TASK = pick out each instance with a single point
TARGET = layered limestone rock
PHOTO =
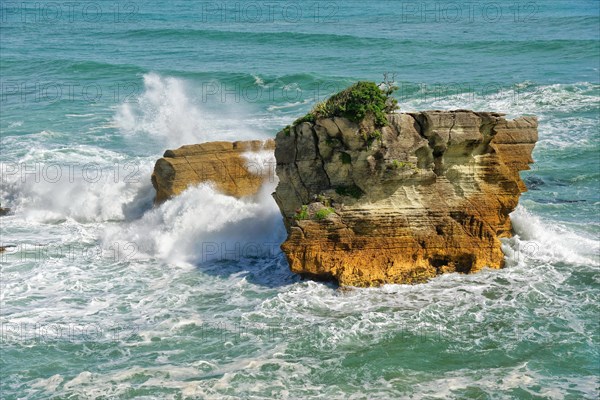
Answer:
(427, 194)
(222, 163)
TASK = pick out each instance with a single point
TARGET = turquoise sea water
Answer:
(103, 296)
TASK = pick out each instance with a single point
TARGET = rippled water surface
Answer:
(104, 296)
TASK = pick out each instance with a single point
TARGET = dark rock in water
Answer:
(4, 211)
(558, 201)
(534, 182)
(3, 248)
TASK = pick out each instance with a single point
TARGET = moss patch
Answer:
(301, 213)
(324, 212)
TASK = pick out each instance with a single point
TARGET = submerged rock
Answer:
(534, 182)
(221, 163)
(427, 194)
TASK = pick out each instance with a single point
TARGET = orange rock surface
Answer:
(221, 163)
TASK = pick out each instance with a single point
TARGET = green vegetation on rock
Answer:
(364, 99)
(403, 164)
(359, 101)
(324, 212)
(371, 137)
(310, 117)
(324, 199)
(302, 213)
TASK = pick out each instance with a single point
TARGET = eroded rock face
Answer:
(427, 194)
(222, 163)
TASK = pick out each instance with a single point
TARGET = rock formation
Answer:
(222, 163)
(369, 196)
(3, 212)
(427, 194)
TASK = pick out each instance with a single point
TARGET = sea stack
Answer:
(220, 163)
(367, 202)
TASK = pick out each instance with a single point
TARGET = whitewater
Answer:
(104, 295)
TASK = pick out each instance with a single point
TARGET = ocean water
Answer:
(105, 297)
